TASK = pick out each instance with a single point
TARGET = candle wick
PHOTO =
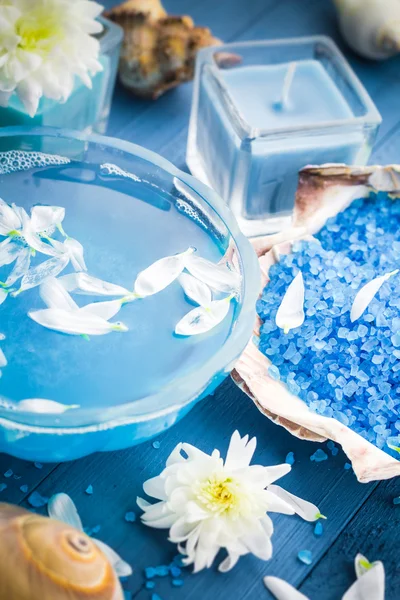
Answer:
(287, 84)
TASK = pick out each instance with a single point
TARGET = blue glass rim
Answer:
(189, 387)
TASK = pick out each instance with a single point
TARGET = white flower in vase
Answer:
(44, 44)
(208, 504)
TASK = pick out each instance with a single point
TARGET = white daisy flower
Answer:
(208, 503)
(44, 44)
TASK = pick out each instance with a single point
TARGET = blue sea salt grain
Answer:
(177, 582)
(179, 560)
(89, 490)
(330, 444)
(347, 466)
(396, 500)
(36, 500)
(156, 445)
(24, 488)
(335, 451)
(38, 465)
(150, 585)
(175, 571)
(149, 572)
(289, 458)
(130, 517)
(273, 372)
(9, 473)
(162, 571)
(3, 486)
(155, 597)
(318, 529)
(319, 455)
(305, 556)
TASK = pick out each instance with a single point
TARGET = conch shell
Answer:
(371, 27)
(44, 559)
(323, 192)
(159, 51)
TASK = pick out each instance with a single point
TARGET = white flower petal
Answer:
(216, 276)
(276, 504)
(370, 586)
(54, 295)
(203, 319)
(258, 542)
(9, 251)
(31, 237)
(106, 310)
(121, 567)
(74, 323)
(48, 268)
(3, 295)
(21, 267)
(240, 451)
(45, 218)
(195, 289)
(228, 563)
(367, 293)
(282, 590)
(40, 405)
(306, 510)
(291, 310)
(82, 283)
(9, 220)
(160, 274)
(142, 504)
(62, 508)
(154, 487)
(3, 359)
(75, 251)
(361, 565)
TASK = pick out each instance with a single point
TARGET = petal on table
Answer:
(291, 310)
(82, 283)
(74, 323)
(306, 510)
(366, 294)
(282, 590)
(106, 310)
(45, 218)
(121, 567)
(195, 290)
(160, 274)
(48, 268)
(370, 586)
(62, 508)
(75, 251)
(203, 319)
(21, 267)
(54, 295)
(41, 405)
(9, 219)
(216, 276)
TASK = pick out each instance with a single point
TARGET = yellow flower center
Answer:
(219, 496)
(40, 31)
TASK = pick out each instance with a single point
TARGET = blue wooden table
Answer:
(361, 518)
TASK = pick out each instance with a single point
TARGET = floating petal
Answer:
(44, 219)
(366, 294)
(54, 295)
(195, 289)
(3, 360)
(282, 590)
(160, 274)
(3, 295)
(9, 251)
(40, 405)
(48, 268)
(291, 310)
(306, 510)
(75, 322)
(82, 283)
(203, 319)
(21, 267)
(216, 276)
(105, 310)
(62, 508)
(75, 251)
(31, 237)
(9, 219)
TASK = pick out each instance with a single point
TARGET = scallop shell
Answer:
(159, 51)
(41, 558)
(323, 192)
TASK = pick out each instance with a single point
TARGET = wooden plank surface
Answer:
(360, 517)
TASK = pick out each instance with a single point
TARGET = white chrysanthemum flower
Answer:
(44, 44)
(209, 504)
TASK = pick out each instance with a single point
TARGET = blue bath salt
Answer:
(156, 445)
(396, 500)
(175, 571)
(124, 225)
(318, 529)
(319, 455)
(150, 585)
(162, 571)
(305, 556)
(130, 517)
(9, 473)
(177, 582)
(355, 376)
(150, 572)
(38, 465)
(289, 458)
(24, 488)
(89, 490)
(3, 486)
(36, 500)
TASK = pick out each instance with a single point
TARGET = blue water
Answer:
(123, 226)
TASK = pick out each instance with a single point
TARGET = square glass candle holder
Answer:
(263, 110)
(86, 109)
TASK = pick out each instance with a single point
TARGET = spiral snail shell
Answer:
(45, 559)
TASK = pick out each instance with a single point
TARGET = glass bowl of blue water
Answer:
(127, 208)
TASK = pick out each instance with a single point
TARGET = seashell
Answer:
(323, 192)
(159, 51)
(371, 28)
(44, 558)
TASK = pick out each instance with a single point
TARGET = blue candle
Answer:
(255, 125)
